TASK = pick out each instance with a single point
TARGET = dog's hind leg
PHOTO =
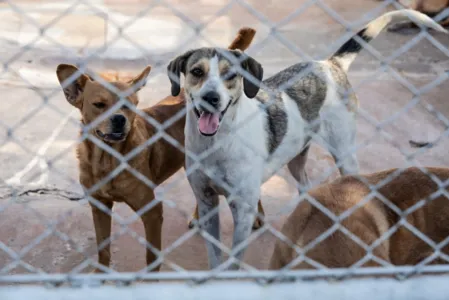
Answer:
(338, 133)
(102, 224)
(297, 168)
(347, 162)
(259, 221)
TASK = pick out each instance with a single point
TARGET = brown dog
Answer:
(124, 131)
(429, 7)
(369, 222)
(116, 76)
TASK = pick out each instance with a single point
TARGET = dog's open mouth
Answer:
(113, 137)
(208, 122)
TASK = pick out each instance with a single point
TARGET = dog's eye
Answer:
(197, 72)
(229, 76)
(125, 107)
(99, 105)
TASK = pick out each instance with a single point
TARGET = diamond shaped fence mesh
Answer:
(188, 147)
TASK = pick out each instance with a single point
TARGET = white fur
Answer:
(241, 162)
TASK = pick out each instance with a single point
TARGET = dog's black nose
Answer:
(118, 121)
(212, 98)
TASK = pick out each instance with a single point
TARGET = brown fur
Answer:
(428, 7)
(156, 162)
(368, 222)
(431, 8)
(116, 76)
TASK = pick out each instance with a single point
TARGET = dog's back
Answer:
(420, 199)
(369, 221)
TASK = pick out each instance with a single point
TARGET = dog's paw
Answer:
(192, 223)
(96, 271)
(258, 223)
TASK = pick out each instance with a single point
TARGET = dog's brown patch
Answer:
(232, 84)
(197, 82)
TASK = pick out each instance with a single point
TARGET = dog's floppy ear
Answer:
(254, 68)
(71, 84)
(174, 69)
(140, 80)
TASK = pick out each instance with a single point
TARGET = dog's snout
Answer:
(118, 121)
(212, 98)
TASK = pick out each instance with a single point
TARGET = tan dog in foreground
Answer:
(370, 221)
(124, 131)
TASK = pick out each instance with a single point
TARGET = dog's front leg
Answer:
(244, 210)
(102, 224)
(207, 201)
(297, 168)
(152, 220)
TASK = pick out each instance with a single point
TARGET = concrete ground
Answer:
(35, 117)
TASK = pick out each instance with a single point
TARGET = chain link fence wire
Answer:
(109, 171)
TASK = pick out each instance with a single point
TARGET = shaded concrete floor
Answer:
(382, 97)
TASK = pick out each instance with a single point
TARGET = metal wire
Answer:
(16, 257)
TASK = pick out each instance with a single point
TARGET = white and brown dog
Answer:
(238, 135)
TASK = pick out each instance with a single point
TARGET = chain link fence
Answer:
(383, 235)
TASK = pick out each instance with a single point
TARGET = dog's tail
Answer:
(243, 39)
(348, 52)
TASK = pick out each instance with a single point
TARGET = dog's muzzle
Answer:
(209, 122)
(118, 134)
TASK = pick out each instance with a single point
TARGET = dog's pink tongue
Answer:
(208, 123)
